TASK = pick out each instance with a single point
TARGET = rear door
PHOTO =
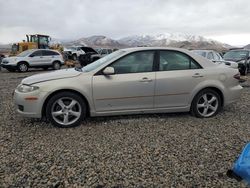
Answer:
(47, 57)
(177, 77)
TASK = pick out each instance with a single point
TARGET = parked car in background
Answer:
(90, 56)
(35, 58)
(1, 57)
(130, 81)
(215, 57)
(240, 56)
(209, 54)
(104, 51)
(74, 53)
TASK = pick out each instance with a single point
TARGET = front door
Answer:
(130, 88)
(37, 59)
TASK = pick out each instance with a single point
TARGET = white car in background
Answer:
(130, 81)
(215, 57)
(36, 58)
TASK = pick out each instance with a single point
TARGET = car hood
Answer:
(11, 58)
(54, 75)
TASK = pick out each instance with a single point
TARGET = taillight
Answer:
(237, 76)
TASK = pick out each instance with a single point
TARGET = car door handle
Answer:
(197, 75)
(145, 79)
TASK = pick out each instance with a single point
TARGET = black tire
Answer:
(243, 71)
(213, 108)
(22, 67)
(53, 106)
(56, 65)
(74, 57)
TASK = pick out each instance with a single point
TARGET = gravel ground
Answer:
(164, 150)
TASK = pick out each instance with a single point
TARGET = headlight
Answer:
(242, 61)
(26, 88)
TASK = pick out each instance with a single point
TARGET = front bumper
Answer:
(27, 107)
(7, 66)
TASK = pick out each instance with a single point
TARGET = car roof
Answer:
(243, 49)
(198, 58)
(204, 50)
(45, 50)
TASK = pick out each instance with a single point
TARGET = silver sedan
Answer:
(130, 81)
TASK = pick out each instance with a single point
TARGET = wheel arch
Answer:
(216, 89)
(64, 90)
(26, 62)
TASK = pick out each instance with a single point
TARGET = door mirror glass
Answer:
(109, 71)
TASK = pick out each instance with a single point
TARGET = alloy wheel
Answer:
(207, 104)
(66, 111)
(23, 67)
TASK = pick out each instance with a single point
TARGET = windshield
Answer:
(24, 53)
(102, 61)
(202, 53)
(239, 54)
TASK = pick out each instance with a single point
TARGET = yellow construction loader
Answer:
(36, 41)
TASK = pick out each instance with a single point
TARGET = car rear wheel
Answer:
(22, 67)
(56, 65)
(66, 110)
(206, 103)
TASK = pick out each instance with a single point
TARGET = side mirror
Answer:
(31, 55)
(109, 71)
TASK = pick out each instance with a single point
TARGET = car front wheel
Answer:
(22, 67)
(206, 103)
(66, 109)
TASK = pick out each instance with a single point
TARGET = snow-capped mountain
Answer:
(160, 39)
(166, 39)
(97, 41)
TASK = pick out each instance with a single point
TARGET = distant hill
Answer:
(97, 41)
(247, 46)
(5, 48)
(160, 40)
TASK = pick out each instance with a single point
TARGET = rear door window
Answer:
(49, 53)
(173, 60)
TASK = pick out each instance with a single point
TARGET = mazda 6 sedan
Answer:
(130, 81)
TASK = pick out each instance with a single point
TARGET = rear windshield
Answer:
(201, 53)
(239, 54)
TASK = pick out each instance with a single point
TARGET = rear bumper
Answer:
(233, 94)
